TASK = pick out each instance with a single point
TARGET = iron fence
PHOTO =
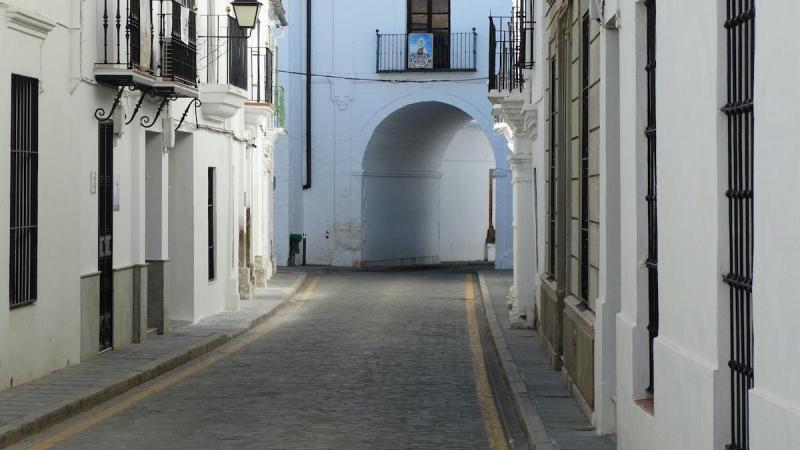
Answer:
(452, 52)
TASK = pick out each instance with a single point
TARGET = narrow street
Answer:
(362, 360)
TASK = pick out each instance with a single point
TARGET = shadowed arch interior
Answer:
(402, 175)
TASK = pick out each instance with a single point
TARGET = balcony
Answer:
(223, 66)
(149, 45)
(261, 99)
(453, 52)
(506, 72)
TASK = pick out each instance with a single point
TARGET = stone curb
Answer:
(535, 431)
(27, 426)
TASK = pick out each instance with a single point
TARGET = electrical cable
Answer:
(385, 80)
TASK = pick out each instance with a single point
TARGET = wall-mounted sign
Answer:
(420, 51)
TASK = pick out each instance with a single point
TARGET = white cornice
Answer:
(28, 22)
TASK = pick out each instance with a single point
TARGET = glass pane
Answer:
(441, 21)
(419, 22)
(419, 6)
(441, 6)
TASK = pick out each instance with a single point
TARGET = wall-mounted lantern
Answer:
(246, 13)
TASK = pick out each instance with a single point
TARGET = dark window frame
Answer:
(24, 192)
(429, 29)
(212, 224)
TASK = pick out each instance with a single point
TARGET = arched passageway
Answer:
(402, 196)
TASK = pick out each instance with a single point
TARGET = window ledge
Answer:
(647, 405)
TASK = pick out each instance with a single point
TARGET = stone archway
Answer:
(401, 180)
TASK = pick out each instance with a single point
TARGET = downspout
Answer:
(307, 184)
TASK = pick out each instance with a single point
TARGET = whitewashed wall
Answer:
(464, 196)
(346, 113)
(43, 337)
(775, 401)
(61, 49)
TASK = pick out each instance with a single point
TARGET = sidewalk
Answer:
(550, 415)
(32, 407)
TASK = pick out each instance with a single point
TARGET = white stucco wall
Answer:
(346, 113)
(775, 401)
(464, 196)
(43, 337)
(162, 196)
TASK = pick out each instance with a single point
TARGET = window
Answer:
(432, 16)
(429, 16)
(553, 164)
(650, 198)
(212, 213)
(24, 178)
(740, 26)
(584, 158)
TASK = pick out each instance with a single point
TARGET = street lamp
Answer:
(246, 12)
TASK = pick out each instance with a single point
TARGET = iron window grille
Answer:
(553, 165)
(740, 27)
(652, 205)
(212, 235)
(505, 70)
(584, 252)
(24, 181)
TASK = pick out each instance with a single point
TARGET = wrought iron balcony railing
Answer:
(223, 51)
(262, 75)
(145, 40)
(506, 68)
(448, 52)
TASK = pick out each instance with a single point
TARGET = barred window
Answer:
(553, 165)
(650, 198)
(740, 27)
(584, 159)
(212, 213)
(24, 178)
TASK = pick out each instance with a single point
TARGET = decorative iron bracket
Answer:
(147, 122)
(197, 103)
(138, 105)
(100, 112)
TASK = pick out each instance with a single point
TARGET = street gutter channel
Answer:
(501, 391)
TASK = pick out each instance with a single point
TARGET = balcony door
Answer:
(432, 16)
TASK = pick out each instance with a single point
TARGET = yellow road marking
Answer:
(491, 419)
(173, 378)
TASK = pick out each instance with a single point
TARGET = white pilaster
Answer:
(523, 293)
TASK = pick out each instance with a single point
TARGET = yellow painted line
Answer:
(173, 378)
(491, 419)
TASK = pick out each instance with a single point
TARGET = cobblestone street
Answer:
(364, 360)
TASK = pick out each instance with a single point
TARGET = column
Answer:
(522, 296)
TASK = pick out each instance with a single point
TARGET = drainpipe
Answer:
(307, 184)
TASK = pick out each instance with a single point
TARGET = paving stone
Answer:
(566, 425)
(373, 361)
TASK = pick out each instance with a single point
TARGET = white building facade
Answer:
(685, 341)
(140, 172)
(371, 157)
